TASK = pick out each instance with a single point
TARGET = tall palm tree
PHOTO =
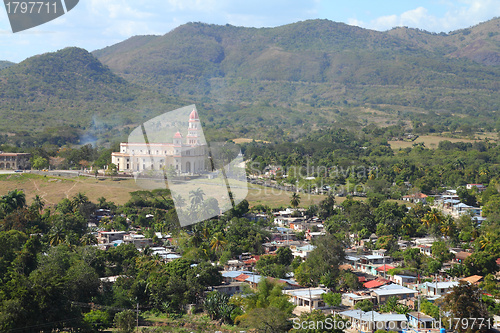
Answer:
(218, 242)
(196, 197)
(448, 226)
(295, 200)
(38, 203)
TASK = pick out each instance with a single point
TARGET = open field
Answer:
(54, 189)
(430, 141)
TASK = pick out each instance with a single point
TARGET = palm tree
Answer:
(295, 201)
(38, 203)
(434, 217)
(448, 226)
(88, 239)
(56, 236)
(179, 201)
(13, 200)
(79, 199)
(196, 197)
(218, 242)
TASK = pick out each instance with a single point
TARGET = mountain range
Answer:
(299, 76)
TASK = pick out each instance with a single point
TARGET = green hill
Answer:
(5, 64)
(267, 83)
(316, 72)
(49, 92)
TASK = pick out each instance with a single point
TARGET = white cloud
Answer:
(460, 14)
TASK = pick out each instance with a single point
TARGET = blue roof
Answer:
(393, 289)
(373, 316)
(231, 274)
(308, 247)
(255, 278)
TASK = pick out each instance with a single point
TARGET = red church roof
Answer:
(178, 135)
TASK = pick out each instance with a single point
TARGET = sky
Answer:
(94, 24)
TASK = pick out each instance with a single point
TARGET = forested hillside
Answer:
(269, 83)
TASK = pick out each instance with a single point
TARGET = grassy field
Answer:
(54, 189)
(430, 141)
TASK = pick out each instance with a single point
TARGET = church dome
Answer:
(178, 135)
(194, 115)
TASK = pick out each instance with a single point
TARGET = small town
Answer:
(192, 166)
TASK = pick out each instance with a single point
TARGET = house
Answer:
(461, 256)
(313, 235)
(438, 288)
(229, 289)
(375, 283)
(421, 320)
(306, 299)
(140, 241)
(479, 187)
(382, 270)
(403, 245)
(106, 237)
(230, 276)
(302, 251)
(234, 265)
(404, 279)
(416, 198)
(351, 299)
(473, 279)
(425, 249)
(385, 292)
(14, 161)
(371, 321)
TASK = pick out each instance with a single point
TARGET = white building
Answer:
(439, 288)
(184, 156)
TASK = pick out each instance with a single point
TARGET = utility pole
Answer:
(137, 317)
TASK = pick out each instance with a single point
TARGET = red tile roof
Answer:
(373, 284)
(242, 277)
(384, 268)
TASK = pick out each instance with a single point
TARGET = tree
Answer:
(480, 263)
(441, 252)
(218, 307)
(39, 163)
(322, 264)
(332, 299)
(112, 170)
(125, 321)
(268, 320)
(218, 242)
(295, 200)
(97, 320)
(327, 207)
(465, 301)
(365, 305)
(196, 197)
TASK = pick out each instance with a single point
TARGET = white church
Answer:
(187, 156)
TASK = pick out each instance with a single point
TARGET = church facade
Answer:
(184, 155)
